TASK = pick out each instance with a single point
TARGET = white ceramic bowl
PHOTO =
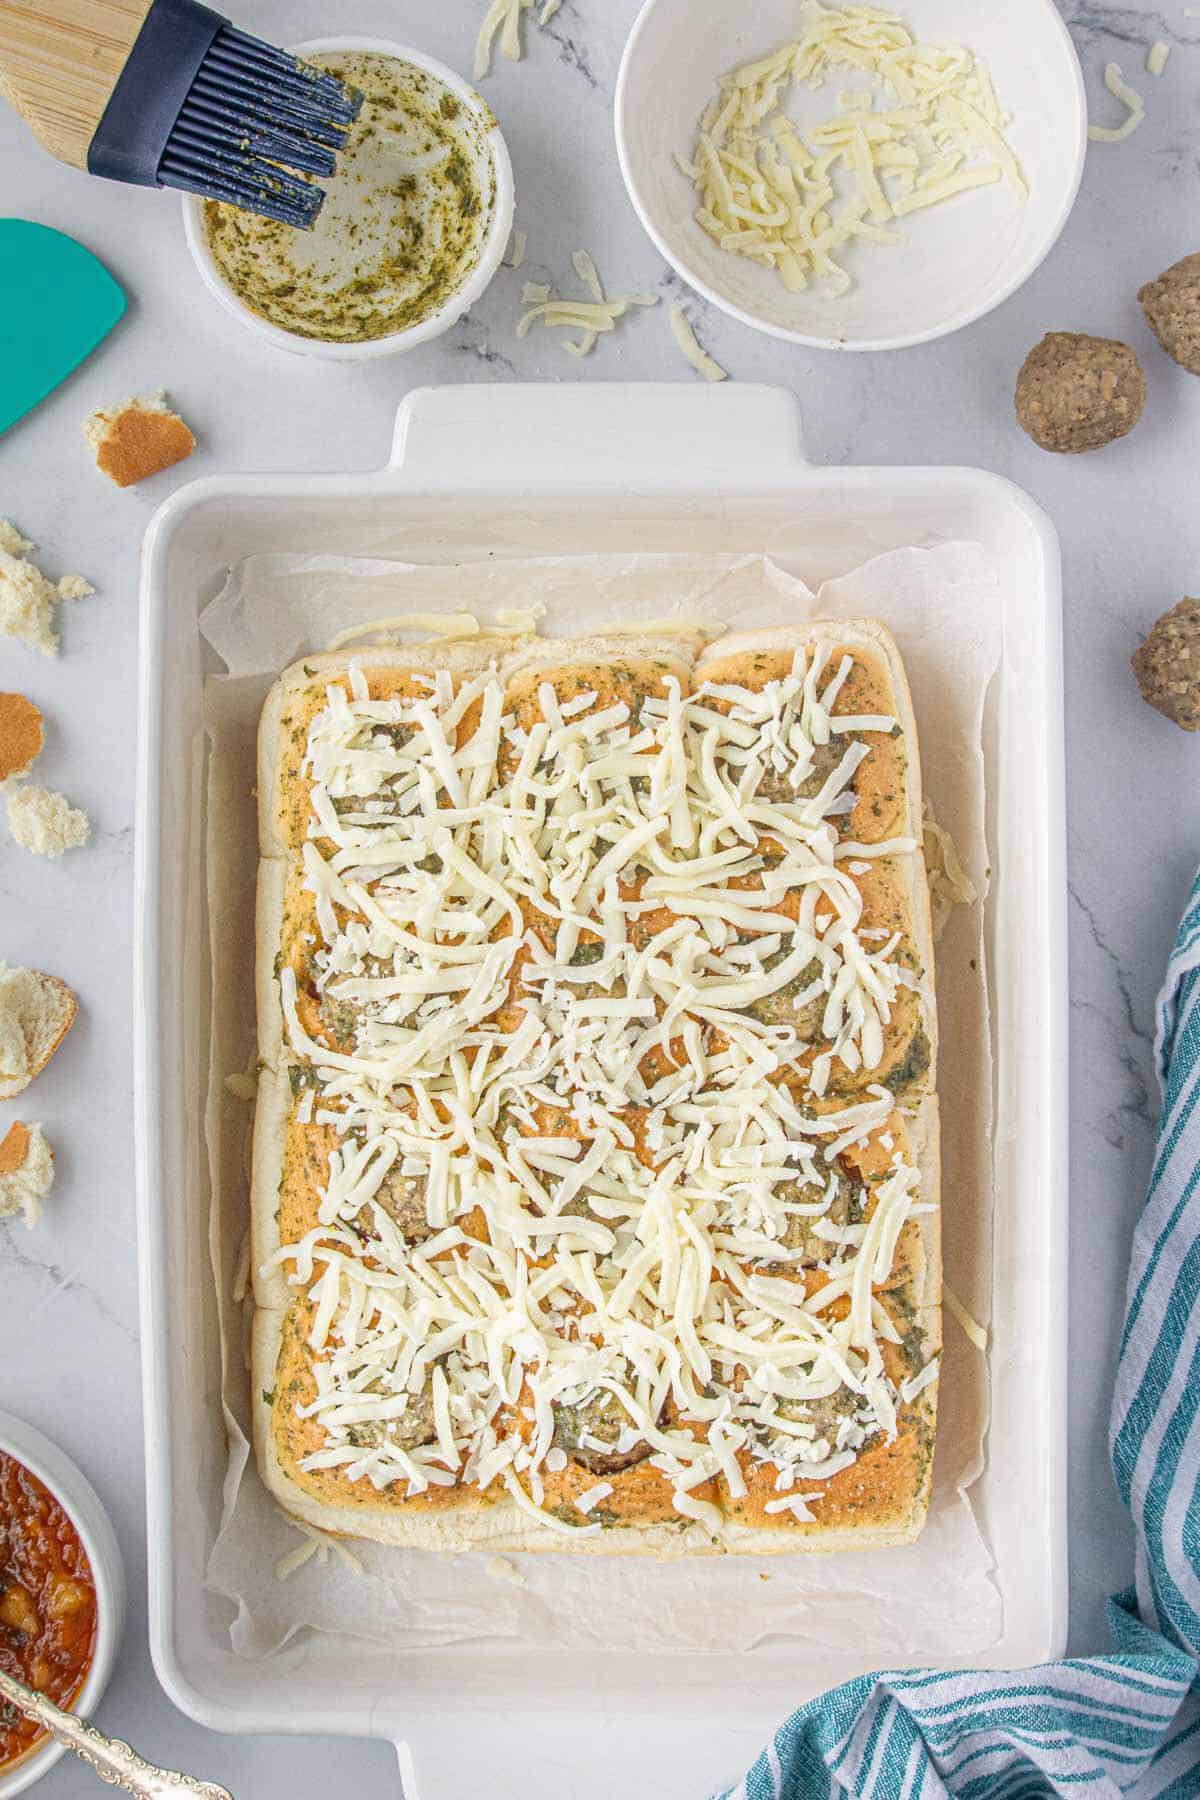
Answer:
(82, 1505)
(961, 259)
(491, 253)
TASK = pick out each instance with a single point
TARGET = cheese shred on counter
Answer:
(590, 318)
(928, 127)
(1129, 97)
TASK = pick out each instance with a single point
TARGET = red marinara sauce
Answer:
(47, 1602)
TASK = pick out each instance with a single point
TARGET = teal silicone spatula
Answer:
(57, 302)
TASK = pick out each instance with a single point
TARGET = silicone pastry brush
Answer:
(166, 93)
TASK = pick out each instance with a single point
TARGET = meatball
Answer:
(1172, 308)
(413, 1428)
(776, 786)
(402, 1198)
(783, 1006)
(824, 1415)
(339, 1023)
(1168, 665)
(846, 1208)
(601, 1417)
(1078, 393)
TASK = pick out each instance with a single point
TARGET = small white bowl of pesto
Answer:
(414, 225)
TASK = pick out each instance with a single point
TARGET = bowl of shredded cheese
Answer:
(851, 176)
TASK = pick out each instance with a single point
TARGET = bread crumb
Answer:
(43, 821)
(500, 1569)
(242, 1087)
(14, 1053)
(36, 1012)
(22, 735)
(27, 596)
(138, 438)
(26, 1172)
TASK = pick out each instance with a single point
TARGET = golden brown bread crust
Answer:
(882, 1497)
(625, 679)
(295, 1437)
(880, 809)
(885, 1491)
(139, 442)
(300, 694)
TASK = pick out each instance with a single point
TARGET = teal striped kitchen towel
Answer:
(1123, 1724)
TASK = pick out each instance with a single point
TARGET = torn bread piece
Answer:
(36, 1012)
(26, 1172)
(138, 438)
(22, 734)
(43, 821)
(28, 598)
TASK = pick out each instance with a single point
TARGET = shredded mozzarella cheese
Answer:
(949, 883)
(501, 20)
(1120, 89)
(971, 1327)
(590, 318)
(567, 950)
(793, 201)
(685, 337)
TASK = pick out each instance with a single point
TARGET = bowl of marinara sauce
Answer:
(62, 1594)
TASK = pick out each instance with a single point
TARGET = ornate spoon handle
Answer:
(113, 1761)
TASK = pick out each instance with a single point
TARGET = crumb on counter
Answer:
(138, 438)
(28, 598)
(36, 1012)
(22, 734)
(26, 1172)
(43, 821)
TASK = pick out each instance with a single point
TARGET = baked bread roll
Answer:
(596, 1153)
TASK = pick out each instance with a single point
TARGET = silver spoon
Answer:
(113, 1761)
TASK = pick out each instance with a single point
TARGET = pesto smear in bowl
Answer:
(404, 221)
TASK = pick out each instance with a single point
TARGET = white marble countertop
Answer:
(1130, 528)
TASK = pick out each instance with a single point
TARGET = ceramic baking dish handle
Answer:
(558, 437)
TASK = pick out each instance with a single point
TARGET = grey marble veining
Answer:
(1130, 527)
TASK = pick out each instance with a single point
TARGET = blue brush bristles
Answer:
(202, 106)
(253, 114)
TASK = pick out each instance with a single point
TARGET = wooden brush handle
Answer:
(59, 63)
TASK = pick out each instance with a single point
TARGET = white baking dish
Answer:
(518, 471)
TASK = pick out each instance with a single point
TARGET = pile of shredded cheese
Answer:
(555, 936)
(928, 127)
(588, 317)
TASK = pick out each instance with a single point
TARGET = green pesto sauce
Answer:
(402, 227)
